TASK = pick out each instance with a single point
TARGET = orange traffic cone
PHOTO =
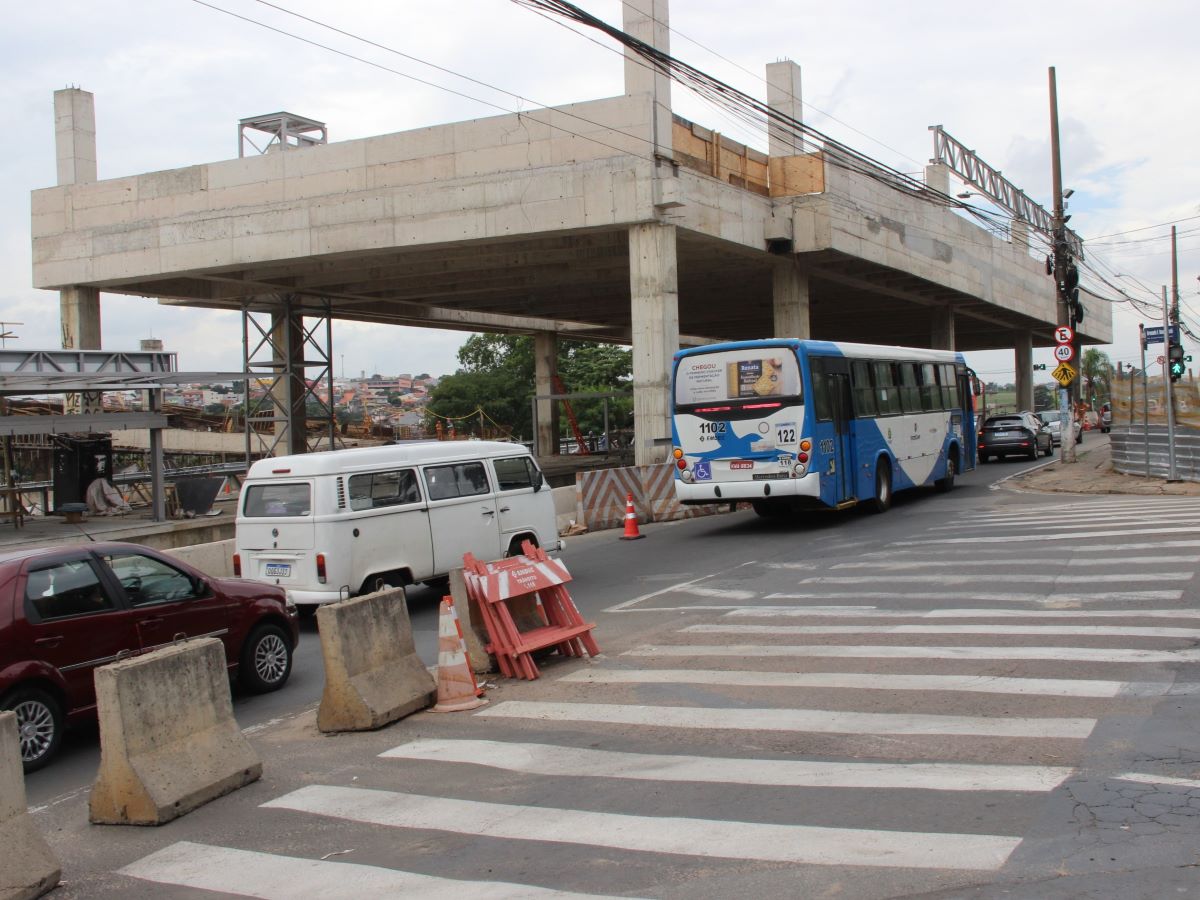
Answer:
(457, 689)
(631, 525)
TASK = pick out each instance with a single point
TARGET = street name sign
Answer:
(1154, 334)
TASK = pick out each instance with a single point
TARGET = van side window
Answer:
(372, 490)
(458, 480)
(269, 500)
(515, 473)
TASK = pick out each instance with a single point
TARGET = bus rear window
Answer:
(277, 500)
(738, 376)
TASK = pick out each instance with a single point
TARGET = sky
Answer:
(171, 79)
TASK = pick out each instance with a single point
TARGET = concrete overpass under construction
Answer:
(609, 220)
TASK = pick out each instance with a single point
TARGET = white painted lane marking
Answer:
(904, 565)
(658, 834)
(1008, 578)
(978, 684)
(861, 612)
(1082, 520)
(834, 651)
(251, 874)
(1165, 780)
(959, 596)
(718, 593)
(621, 607)
(1048, 630)
(1029, 538)
(552, 759)
(812, 721)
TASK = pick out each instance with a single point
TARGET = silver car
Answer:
(1053, 419)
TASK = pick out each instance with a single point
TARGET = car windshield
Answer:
(1050, 418)
(1004, 422)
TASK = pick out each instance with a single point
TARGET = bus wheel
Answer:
(944, 484)
(883, 488)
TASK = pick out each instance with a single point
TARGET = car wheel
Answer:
(946, 483)
(39, 725)
(882, 501)
(266, 659)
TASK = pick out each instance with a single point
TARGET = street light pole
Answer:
(1062, 262)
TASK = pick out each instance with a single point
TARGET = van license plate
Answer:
(279, 570)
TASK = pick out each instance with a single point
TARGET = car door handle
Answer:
(505, 509)
(52, 641)
(489, 512)
(151, 621)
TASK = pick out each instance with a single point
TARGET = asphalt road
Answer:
(981, 693)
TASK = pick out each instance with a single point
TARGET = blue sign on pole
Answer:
(1154, 334)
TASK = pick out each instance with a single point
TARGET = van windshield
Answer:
(277, 500)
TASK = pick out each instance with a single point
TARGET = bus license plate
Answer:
(279, 570)
(742, 464)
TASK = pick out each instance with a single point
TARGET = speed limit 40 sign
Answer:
(1064, 335)
(1064, 352)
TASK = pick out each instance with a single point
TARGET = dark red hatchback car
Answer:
(66, 610)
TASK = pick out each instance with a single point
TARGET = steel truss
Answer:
(279, 349)
(964, 163)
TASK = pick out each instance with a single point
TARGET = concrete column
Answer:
(937, 177)
(942, 333)
(654, 309)
(291, 417)
(783, 96)
(79, 316)
(75, 135)
(791, 299)
(1023, 357)
(545, 367)
(648, 20)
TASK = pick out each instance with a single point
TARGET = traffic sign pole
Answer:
(1172, 475)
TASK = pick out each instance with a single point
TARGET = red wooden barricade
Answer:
(532, 574)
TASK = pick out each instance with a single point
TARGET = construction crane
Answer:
(579, 440)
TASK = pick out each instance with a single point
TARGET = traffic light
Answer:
(1175, 361)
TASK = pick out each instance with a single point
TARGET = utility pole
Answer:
(1066, 277)
(1169, 396)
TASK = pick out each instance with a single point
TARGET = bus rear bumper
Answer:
(732, 491)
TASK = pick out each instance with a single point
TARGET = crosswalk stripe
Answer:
(1028, 538)
(897, 565)
(556, 760)
(1009, 578)
(959, 596)
(709, 838)
(1080, 519)
(1165, 780)
(833, 651)
(978, 684)
(253, 874)
(863, 612)
(1049, 630)
(813, 721)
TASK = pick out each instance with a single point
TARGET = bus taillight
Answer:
(806, 445)
(681, 463)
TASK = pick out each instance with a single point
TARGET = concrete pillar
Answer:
(1023, 357)
(941, 335)
(937, 177)
(783, 96)
(791, 300)
(648, 20)
(287, 352)
(79, 316)
(545, 367)
(75, 135)
(654, 309)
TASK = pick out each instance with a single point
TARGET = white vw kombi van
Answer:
(329, 525)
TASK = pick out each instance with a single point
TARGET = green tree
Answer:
(1097, 371)
(496, 373)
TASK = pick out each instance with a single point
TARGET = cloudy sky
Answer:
(172, 78)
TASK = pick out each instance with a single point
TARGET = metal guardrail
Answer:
(1132, 454)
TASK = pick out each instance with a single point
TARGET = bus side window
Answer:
(820, 384)
(931, 395)
(864, 395)
(910, 391)
(885, 389)
(949, 386)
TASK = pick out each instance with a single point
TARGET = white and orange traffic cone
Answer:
(457, 690)
(631, 523)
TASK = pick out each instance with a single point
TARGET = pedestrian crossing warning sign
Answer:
(1064, 374)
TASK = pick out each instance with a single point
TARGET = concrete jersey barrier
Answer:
(373, 675)
(168, 739)
(215, 559)
(29, 867)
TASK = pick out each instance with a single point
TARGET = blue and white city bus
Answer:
(789, 424)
